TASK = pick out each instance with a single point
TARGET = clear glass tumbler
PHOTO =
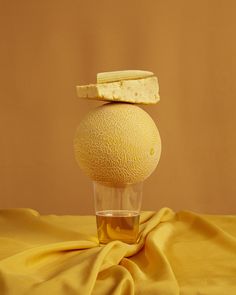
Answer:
(117, 211)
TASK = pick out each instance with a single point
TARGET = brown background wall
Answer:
(48, 47)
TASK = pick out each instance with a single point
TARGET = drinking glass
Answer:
(117, 211)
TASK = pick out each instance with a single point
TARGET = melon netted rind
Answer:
(117, 143)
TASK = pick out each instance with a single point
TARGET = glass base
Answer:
(119, 225)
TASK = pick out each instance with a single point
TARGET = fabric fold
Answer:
(176, 253)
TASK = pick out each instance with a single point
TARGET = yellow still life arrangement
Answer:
(118, 146)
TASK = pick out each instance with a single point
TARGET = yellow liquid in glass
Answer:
(117, 225)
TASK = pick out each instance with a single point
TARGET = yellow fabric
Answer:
(178, 253)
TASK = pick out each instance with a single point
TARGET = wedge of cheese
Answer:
(141, 90)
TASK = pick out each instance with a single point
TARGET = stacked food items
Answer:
(118, 144)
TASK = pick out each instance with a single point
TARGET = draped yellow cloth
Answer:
(177, 253)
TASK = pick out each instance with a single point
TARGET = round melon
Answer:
(117, 143)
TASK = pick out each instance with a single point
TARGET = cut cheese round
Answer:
(117, 143)
(107, 77)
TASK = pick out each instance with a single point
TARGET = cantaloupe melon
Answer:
(117, 143)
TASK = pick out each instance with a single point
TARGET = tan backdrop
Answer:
(47, 47)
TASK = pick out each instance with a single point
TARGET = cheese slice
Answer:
(143, 91)
(115, 76)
